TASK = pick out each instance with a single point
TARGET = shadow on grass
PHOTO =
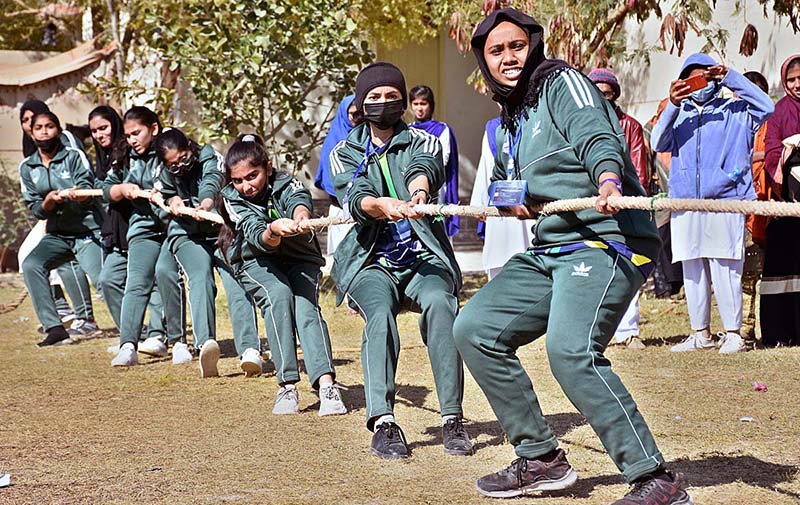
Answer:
(664, 341)
(561, 424)
(709, 470)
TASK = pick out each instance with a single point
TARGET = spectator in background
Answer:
(607, 83)
(711, 140)
(756, 225)
(628, 330)
(668, 276)
(780, 286)
(503, 237)
(423, 105)
(340, 126)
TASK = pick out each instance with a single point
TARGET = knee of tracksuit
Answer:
(465, 331)
(32, 263)
(438, 302)
(565, 357)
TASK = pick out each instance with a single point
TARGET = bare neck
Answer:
(380, 137)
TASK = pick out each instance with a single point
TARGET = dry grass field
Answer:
(73, 430)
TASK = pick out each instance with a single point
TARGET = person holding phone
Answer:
(711, 140)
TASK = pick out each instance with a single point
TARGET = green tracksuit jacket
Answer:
(562, 152)
(409, 155)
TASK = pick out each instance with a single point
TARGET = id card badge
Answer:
(508, 193)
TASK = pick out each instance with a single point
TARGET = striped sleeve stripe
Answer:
(335, 162)
(220, 161)
(84, 159)
(431, 144)
(231, 213)
(578, 89)
(578, 100)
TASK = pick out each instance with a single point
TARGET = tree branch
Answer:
(614, 20)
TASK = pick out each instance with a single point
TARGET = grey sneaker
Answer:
(83, 328)
(287, 400)
(525, 476)
(330, 400)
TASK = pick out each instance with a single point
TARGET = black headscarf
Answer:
(536, 68)
(103, 164)
(37, 107)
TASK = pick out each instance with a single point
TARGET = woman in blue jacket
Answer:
(711, 140)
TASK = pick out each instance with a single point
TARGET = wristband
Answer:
(427, 195)
(614, 181)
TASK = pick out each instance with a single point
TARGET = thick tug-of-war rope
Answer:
(185, 211)
(651, 204)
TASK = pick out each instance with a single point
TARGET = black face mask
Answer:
(384, 115)
(49, 146)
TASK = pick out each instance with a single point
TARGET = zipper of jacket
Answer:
(697, 153)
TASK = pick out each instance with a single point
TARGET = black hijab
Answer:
(103, 164)
(37, 107)
(536, 68)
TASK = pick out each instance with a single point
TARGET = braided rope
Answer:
(650, 204)
(5, 308)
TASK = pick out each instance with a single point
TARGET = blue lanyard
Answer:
(358, 170)
(512, 146)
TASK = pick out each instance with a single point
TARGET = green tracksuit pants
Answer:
(113, 279)
(77, 286)
(150, 262)
(52, 252)
(241, 306)
(287, 295)
(578, 299)
(197, 259)
(379, 294)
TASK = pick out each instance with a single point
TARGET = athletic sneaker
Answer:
(56, 335)
(287, 400)
(66, 315)
(127, 356)
(455, 438)
(330, 400)
(83, 328)
(251, 362)
(209, 356)
(666, 489)
(181, 354)
(153, 346)
(389, 442)
(526, 476)
(695, 341)
(730, 343)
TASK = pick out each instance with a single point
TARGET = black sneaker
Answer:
(56, 336)
(664, 489)
(525, 476)
(388, 442)
(455, 437)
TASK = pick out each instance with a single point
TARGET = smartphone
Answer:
(696, 82)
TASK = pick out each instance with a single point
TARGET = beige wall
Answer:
(59, 94)
(438, 64)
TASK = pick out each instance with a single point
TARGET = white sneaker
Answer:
(251, 362)
(287, 401)
(127, 356)
(730, 343)
(694, 342)
(209, 356)
(330, 400)
(181, 354)
(153, 346)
